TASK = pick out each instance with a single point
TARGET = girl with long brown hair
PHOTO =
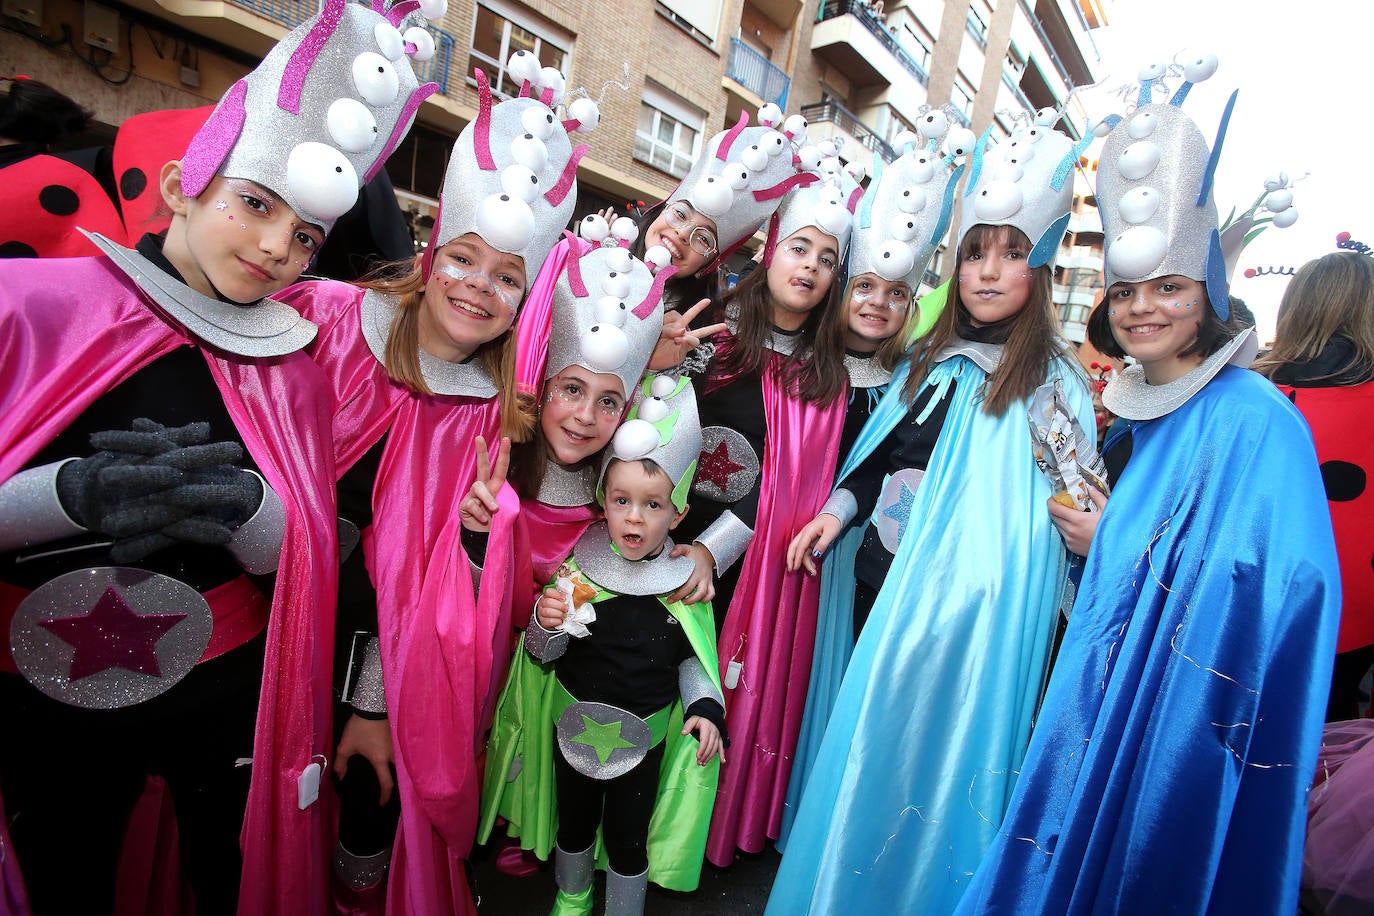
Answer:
(423, 367)
(963, 568)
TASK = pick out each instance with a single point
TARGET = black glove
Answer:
(153, 486)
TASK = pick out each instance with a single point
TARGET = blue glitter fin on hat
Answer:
(1146, 94)
(1066, 165)
(976, 163)
(947, 205)
(1044, 250)
(1218, 292)
(865, 213)
(1212, 160)
(1180, 94)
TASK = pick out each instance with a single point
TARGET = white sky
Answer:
(1303, 68)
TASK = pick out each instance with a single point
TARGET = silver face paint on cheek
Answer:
(508, 298)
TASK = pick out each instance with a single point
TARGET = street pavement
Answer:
(739, 889)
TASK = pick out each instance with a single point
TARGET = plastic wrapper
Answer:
(577, 596)
(1064, 453)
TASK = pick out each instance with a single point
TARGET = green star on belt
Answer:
(603, 739)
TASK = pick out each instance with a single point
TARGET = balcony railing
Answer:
(1016, 91)
(757, 73)
(860, 10)
(1045, 41)
(292, 13)
(835, 113)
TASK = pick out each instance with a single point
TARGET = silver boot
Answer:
(625, 893)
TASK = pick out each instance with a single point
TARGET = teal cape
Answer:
(933, 712)
(519, 780)
(1180, 730)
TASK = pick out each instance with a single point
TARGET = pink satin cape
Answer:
(771, 624)
(72, 329)
(551, 532)
(445, 650)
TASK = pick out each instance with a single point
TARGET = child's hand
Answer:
(812, 542)
(370, 739)
(709, 737)
(551, 609)
(1077, 526)
(701, 584)
(479, 506)
(677, 338)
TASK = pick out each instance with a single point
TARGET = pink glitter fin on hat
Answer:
(427, 259)
(799, 180)
(575, 283)
(555, 194)
(403, 122)
(525, 88)
(571, 124)
(303, 58)
(399, 11)
(654, 298)
(855, 196)
(211, 144)
(546, 97)
(481, 128)
(723, 151)
(771, 245)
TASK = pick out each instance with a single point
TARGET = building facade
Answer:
(859, 72)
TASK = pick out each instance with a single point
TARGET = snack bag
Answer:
(1062, 451)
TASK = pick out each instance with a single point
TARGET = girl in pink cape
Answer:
(772, 403)
(422, 365)
(164, 446)
(593, 332)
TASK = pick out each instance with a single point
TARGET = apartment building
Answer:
(859, 71)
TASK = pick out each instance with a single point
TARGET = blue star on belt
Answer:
(900, 511)
(604, 739)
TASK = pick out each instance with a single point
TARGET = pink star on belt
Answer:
(112, 635)
(715, 465)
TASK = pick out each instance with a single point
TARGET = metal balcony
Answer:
(292, 13)
(833, 112)
(833, 9)
(757, 73)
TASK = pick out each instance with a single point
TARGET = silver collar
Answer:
(562, 487)
(864, 371)
(1130, 396)
(262, 329)
(467, 379)
(777, 341)
(608, 569)
(986, 355)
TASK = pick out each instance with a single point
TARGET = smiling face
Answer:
(799, 278)
(639, 508)
(689, 236)
(471, 297)
(994, 279)
(1154, 321)
(580, 413)
(237, 241)
(877, 309)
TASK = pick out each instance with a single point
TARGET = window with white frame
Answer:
(669, 133)
(700, 16)
(503, 28)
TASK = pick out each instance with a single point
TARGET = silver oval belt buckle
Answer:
(602, 741)
(109, 637)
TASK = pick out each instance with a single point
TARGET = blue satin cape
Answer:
(934, 711)
(1170, 765)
